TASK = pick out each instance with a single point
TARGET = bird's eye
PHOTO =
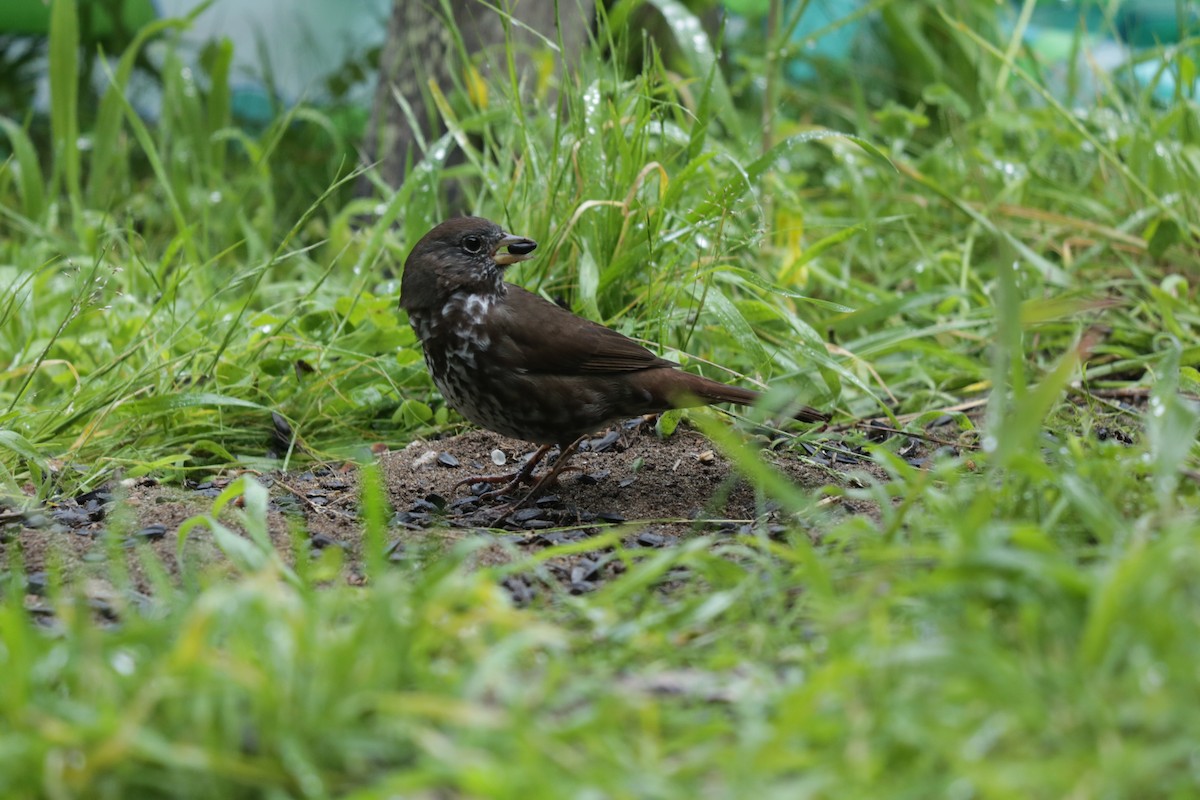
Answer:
(472, 244)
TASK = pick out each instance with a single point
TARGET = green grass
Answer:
(1022, 620)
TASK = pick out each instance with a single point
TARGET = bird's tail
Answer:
(688, 390)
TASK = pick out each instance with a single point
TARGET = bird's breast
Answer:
(457, 332)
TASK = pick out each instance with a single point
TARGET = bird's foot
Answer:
(543, 483)
(551, 477)
(512, 480)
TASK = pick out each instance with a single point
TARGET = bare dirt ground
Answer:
(656, 491)
(653, 491)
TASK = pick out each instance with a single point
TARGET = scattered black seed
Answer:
(610, 516)
(319, 541)
(70, 517)
(627, 482)
(944, 419)
(633, 424)
(335, 484)
(559, 537)
(582, 587)
(585, 570)
(525, 514)
(436, 499)
(102, 607)
(36, 519)
(282, 429)
(447, 460)
(651, 539)
(564, 516)
(547, 500)
(808, 449)
(467, 503)
(480, 518)
(908, 448)
(36, 583)
(203, 486)
(602, 443)
(94, 498)
(152, 533)
(287, 503)
(425, 506)
(592, 478)
(539, 524)
(522, 590)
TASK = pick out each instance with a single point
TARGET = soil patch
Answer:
(655, 491)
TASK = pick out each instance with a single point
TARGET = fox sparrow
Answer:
(523, 367)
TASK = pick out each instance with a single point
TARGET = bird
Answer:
(517, 364)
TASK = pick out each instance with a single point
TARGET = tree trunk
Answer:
(420, 48)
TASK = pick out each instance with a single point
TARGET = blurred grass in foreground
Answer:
(1022, 621)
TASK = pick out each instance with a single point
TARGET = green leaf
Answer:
(747, 179)
(18, 444)
(30, 182)
(693, 42)
(1171, 425)
(720, 306)
(176, 402)
(64, 96)
(668, 422)
(1161, 234)
(104, 178)
(756, 280)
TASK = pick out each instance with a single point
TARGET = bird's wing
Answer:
(533, 335)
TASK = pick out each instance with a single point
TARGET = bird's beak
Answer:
(519, 249)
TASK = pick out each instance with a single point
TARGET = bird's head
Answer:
(466, 254)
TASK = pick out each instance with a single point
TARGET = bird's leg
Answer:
(549, 479)
(511, 480)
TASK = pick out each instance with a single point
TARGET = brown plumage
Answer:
(521, 366)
